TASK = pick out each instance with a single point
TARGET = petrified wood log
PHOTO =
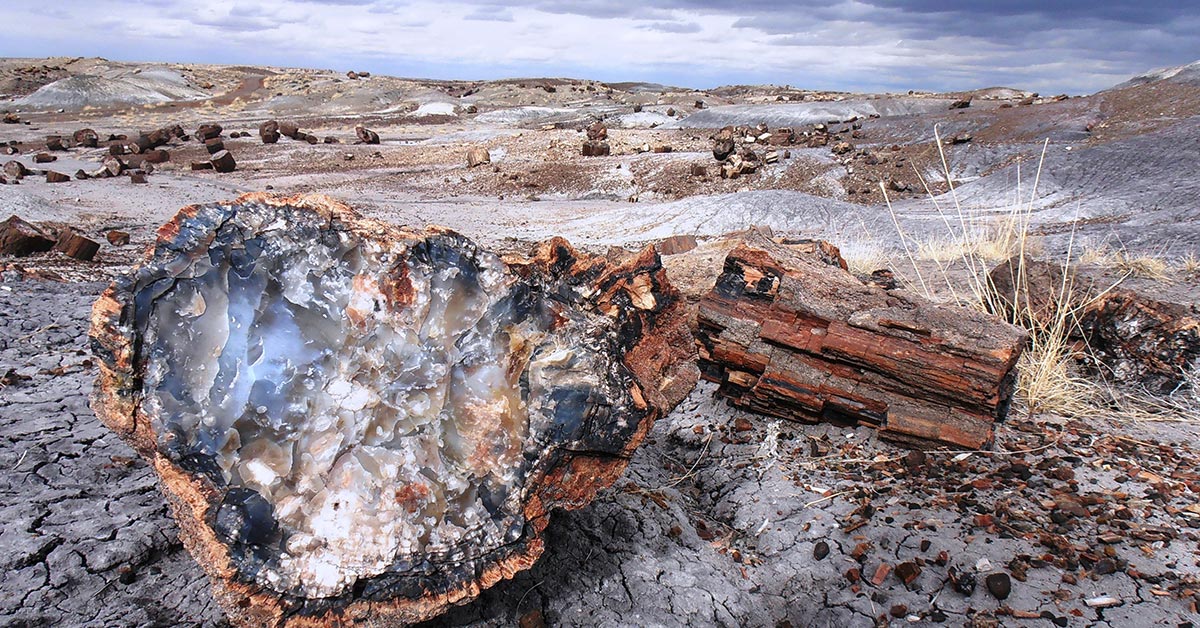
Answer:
(86, 138)
(359, 424)
(788, 332)
(56, 177)
(208, 131)
(595, 148)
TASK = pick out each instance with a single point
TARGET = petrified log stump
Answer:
(214, 145)
(356, 423)
(788, 332)
(19, 238)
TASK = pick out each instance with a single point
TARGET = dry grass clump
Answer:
(864, 257)
(1189, 265)
(1142, 266)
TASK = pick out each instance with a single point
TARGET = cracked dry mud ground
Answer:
(707, 527)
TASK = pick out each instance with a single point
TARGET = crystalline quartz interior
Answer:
(365, 406)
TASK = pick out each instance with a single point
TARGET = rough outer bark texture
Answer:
(787, 332)
(632, 303)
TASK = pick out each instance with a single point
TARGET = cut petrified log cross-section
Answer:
(358, 423)
(787, 332)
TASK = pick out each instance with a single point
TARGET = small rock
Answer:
(820, 550)
(999, 585)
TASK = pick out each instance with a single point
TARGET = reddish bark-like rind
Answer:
(655, 345)
(787, 332)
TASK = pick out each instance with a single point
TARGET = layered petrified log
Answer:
(359, 424)
(788, 332)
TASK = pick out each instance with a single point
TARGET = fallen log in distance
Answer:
(788, 332)
(356, 423)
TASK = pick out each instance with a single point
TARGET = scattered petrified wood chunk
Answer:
(15, 170)
(214, 145)
(365, 135)
(788, 332)
(202, 165)
(597, 132)
(113, 166)
(595, 148)
(56, 177)
(19, 238)
(55, 142)
(117, 238)
(137, 177)
(675, 245)
(44, 158)
(223, 162)
(361, 424)
(76, 246)
(478, 156)
(86, 138)
(269, 132)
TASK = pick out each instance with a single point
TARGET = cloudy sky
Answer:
(1074, 46)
